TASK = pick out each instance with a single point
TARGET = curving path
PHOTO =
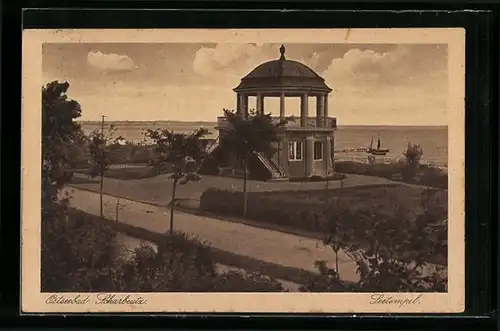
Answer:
(262, 244)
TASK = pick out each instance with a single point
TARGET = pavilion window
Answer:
(295, 150)
(318, 150)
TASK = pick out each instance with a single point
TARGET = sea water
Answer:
(432, 139)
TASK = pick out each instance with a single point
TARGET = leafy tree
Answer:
(73, 248)
(400, 247)
(179, 154)
(412, 155)
(99, 141)
(392, 248)
(256, 133)
(59, 133)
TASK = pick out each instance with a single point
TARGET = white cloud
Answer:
(404, 65)
(110, 61)
(402, 86)
(407, 84)
(226, 64)
(359, 66)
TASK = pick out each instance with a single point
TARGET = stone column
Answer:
(244, 105)
(327, 155)
(309, 157)
(238, 103)
(282, 106)
(325, 110)
(304, 109)
(320, 111)
(260, 104)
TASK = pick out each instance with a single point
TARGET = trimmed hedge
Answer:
(310, 210)
(337, 176)
(305, 215)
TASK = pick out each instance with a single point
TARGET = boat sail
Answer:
(378, 150)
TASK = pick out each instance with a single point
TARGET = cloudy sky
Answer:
(373, 84)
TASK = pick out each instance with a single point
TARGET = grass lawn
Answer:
(157, 190)
(427, 175)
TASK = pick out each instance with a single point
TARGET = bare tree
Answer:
(99, 156)
(180, 155)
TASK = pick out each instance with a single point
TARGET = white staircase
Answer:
(277, 172)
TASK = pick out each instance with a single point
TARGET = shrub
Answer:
(236, 281)
(180, 264)
(327, 281)
(210, 166)
(78, 156)
(412, 155)
(184, 264)
(77, 252)
(80, 254)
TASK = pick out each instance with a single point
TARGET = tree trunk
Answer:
(245, 195)
(102, 169)
(100, 194)
(337, 263)
(172, 207)
(117, 209)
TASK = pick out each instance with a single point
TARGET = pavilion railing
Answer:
(294, 122)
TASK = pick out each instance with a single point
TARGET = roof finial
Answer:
(282, 51)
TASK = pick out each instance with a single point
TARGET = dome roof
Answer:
(282, 68)
(283, 74)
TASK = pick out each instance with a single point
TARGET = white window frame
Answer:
(294, 157)
(322, 152)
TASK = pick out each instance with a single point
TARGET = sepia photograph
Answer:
(243, 170)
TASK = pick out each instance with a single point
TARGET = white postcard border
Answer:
(34, 301)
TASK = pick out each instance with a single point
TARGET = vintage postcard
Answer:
(243, 171)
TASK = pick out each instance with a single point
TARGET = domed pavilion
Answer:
(305, 147)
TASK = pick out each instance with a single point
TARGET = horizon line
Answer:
(205, 121)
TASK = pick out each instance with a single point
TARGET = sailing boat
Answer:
(378, 150)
